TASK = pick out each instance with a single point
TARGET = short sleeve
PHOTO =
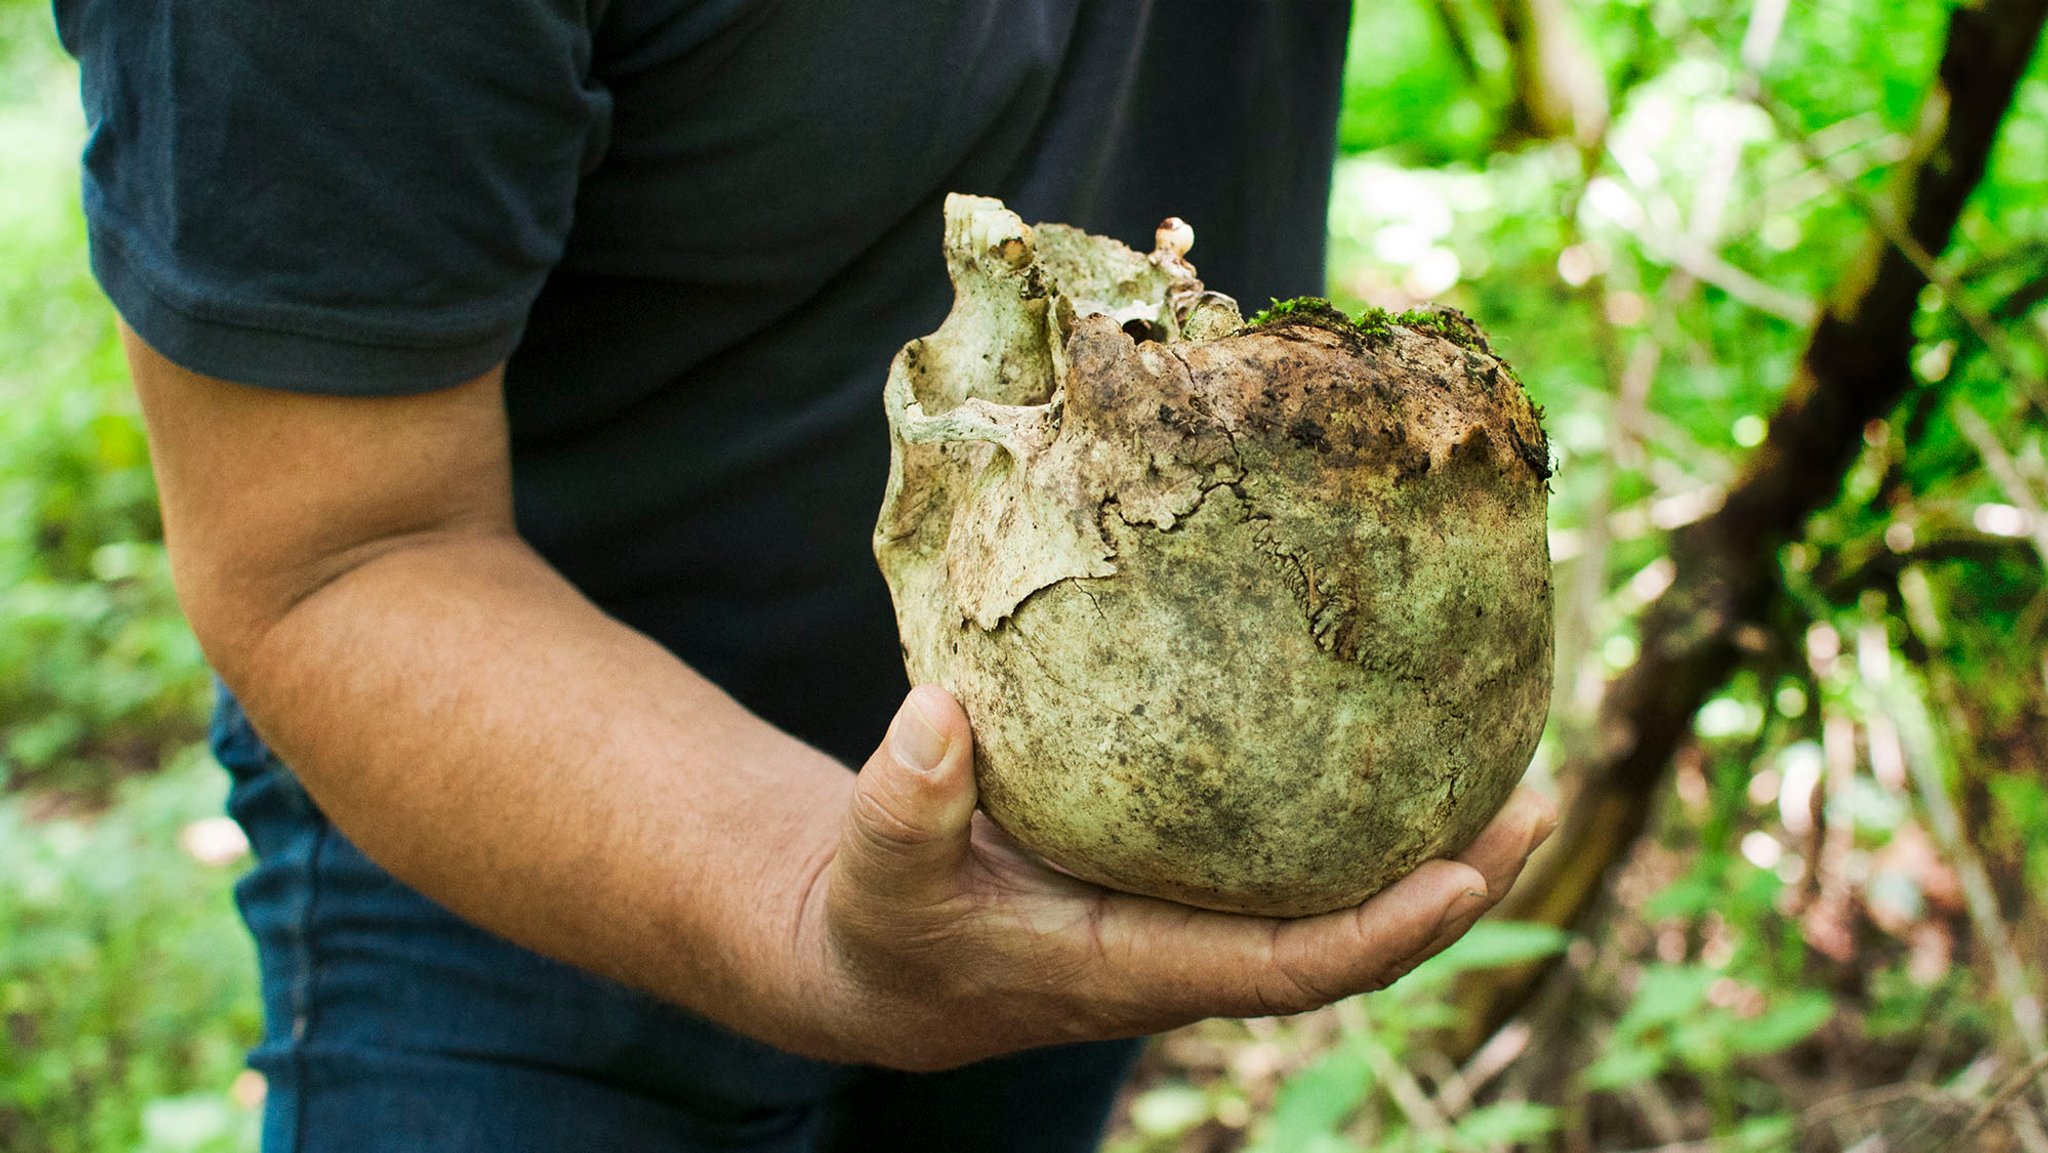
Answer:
(355, 198)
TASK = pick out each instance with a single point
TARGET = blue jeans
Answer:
(392, 1026)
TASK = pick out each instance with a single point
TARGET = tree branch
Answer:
(1908, 245)
(1855, 369)
(1560, 91)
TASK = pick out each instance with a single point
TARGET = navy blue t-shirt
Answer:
(697, 230)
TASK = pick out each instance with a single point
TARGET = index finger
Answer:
(1176, 964)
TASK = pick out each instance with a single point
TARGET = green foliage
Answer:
(1341, 1096)
(1794, 922)
(2021, 803)
(1791, 927)
(1316, 1102)
(126, 982)
(1671, 1023)
(124, 973)
(1490, 945)
(96, 666)
(1339, 1099)
(1406, 90)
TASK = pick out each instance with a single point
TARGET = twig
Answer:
(1709, 267)
(1412, 1101)
(2013, 1087)
(2005, 471)
(1501, 1050)
(1856, 367)
(1658, 1111)
(2023, 299)
(1760, 36)
(1863, 1100)
(1401, 1085)
(1909, 246)
(1453, 26)
(1578, 669)
(1559, 91)
(1921, 1129)
(1663, 513)
(1696, 253)
(1808, 183)
(1926, 765)
(1631, 377)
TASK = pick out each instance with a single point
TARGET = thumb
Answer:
(914, 800)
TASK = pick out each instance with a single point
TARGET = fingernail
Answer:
(1464, 908)
(916, 741)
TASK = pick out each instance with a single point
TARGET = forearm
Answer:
(492, 739)
(482, 731)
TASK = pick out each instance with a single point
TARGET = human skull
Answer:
(1249, 617)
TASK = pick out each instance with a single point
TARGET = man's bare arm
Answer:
(462, 713)
(481, 730)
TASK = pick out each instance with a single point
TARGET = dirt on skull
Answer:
(1254, 617)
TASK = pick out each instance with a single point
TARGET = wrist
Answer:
(793, 992)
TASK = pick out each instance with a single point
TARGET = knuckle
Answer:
(882, 818)
(1094, 1020)
(1388, 975)
(1290, 984)
(1080, 1014)
(1282, 993)
(1309, 971)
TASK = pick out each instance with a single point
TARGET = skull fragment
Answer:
(1254, 617)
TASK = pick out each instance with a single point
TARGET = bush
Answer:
(126, 980)
(127, 986)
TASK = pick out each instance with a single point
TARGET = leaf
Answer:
(1665, 994)
(1702, 1044)
(1491, 945)
(1770, 1133)
(1784, 1024)
(1508, 1123)
(1689, 896)
(1624, 1063)
(1169, 1110)
(1315, 1101)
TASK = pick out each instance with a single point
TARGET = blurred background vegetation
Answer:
(1802, 899)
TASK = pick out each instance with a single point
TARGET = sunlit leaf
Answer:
(1665, 993)
(1785, 1023)
(1623, 1064)
(1492, 944)
(1508, 1123)
(1318, 1099)
(1169, 1110)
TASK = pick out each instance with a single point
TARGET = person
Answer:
(512, 372)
